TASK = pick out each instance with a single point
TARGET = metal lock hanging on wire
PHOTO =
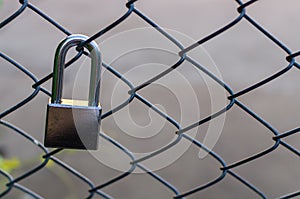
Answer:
(72, 123)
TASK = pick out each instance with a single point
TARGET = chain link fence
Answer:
(10, 182)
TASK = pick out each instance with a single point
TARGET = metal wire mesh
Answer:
(137, 163)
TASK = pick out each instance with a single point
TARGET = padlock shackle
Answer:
(59, 65)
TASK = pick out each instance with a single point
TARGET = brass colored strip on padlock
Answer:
(74, 102)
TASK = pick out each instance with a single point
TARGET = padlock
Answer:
(74, 124)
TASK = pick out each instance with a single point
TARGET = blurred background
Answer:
(242, 54)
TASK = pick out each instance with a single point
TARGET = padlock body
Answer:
(72, 126)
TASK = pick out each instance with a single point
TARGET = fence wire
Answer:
(137, 163)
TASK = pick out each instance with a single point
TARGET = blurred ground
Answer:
(243, 55)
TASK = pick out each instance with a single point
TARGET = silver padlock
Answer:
(74, 124)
